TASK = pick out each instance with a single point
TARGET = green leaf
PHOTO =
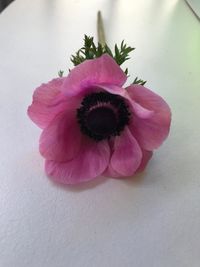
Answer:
(60, 73)
(91, 51)
(126, 71)
(108, 50)
(139, 81)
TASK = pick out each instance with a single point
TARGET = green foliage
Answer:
(139, 81)
(91, 51)
(122, 53)
(60, 73)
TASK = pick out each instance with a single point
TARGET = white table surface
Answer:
(152, 220)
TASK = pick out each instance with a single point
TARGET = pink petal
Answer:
(146, 156)
(139, 110)
(127, 154)
(47, 93)
(48, 101)
(110, 172)
(60, 140)
(150, 132)
(103, 70)
(91, 162)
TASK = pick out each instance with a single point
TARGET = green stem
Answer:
(100, 29)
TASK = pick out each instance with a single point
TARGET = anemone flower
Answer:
(93, 126)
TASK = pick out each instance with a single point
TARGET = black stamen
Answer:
(102, 115)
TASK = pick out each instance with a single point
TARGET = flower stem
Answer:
(100, 29)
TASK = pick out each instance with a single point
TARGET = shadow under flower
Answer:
(131, 181)
(83, 186)
(135, 180)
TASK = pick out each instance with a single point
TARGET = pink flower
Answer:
(92, 126)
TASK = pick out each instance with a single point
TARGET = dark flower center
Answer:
(101, 120)
(102, 115)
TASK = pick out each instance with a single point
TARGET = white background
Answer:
(151, 220)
